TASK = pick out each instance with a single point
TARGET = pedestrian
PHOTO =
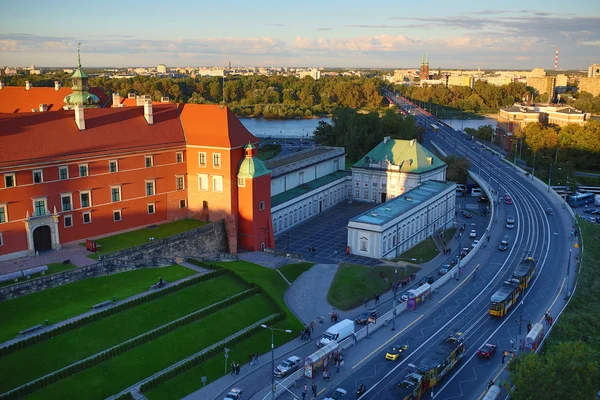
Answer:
(304, 391)
(255, 358)
(251, 356)
(528, 326)
(309, 334)
(326, 375)
(550, 322)
(377, 298)
(336, 364)
(366, 302)
(313, 250)
(488, 237)
(312, 326)
(314, 388)
(321, 321)
(354, 338)
(503, 357)
(232, 368)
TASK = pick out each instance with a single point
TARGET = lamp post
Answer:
(394, 299)
(556, 156)
(550, 178)
(533, 169)
(273, 355)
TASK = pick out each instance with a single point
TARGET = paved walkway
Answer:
(73, 252)
(265, 259)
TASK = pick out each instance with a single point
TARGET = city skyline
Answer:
(334, 34)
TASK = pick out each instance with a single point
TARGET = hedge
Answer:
(125, 346)
(110, 311)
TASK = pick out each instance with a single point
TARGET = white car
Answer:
(234, 394)
(510, 222)
(337, 395)
(474, 244)
(473, 234)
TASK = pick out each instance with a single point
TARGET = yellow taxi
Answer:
(394, 352)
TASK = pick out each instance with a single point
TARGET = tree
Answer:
(568, 370)
(458, 168)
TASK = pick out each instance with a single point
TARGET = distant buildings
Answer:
(543, 85)
(591, 84)
(461, 80)
(424, 69)
(313, 73)
(594, 71)
(161, 69)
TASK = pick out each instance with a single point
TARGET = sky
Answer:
(506, 34)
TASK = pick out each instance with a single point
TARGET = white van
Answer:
(461, 188)
(337, 332)
(476, 192)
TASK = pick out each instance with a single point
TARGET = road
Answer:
(536, 234)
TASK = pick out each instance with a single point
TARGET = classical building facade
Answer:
(395, 226)
(392, 168)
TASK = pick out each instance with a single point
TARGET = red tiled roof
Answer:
(15, 99)
(50, 136)
(213, 126)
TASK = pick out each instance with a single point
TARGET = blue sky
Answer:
(381, 34)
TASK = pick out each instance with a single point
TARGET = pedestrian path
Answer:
(73, 252)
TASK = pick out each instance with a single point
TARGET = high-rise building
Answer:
(161, 69)
(543, 85)
(594, 70)
(590, 85)
(462, 80)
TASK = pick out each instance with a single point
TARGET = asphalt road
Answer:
(535, 234)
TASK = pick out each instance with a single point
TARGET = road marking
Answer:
(392, 338)
(458, 287)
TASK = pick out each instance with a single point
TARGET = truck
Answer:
(337, 332)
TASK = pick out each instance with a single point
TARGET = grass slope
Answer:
(352, 283)
(126, 369)
(43, 358)
(135, 238)
(66, 301)
(423, 252)
(189, 381)
(294, 270)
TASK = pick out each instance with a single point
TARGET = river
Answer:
(305, 127)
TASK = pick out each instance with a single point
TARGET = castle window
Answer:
(10, 180)
(63, 173)
(202, 159)
(68, 221)
(217, 160)
(149, 161)
(38, 176)
(179, 182)
(242, 182)
(117, 215)
(113, 166)
(261, 205)
(83, 170)
(179, 157)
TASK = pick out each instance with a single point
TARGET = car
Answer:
(428, 279)
(403, 297)
(483, 199)
(455, 260)
(395, 352)
(508, 199)
(234, 394)
(510, 222)
(597, 212)
(487, 351)
(473, 233)
(287, 366)
(464, 252)
(549, 211)
(503, 246)
(363, 318)
(590, 219)
(590, 211)
(466, 214)
(338, 394)
(445, 268)
(474, 244)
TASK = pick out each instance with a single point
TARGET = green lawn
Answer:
(122, 371)
(421, 253)
(294, 270)
(45, 357)
(62, 302)
(449, 234)
(189, 381)
(270, 281)
(52, 269)
(352, 283)
(135, 238)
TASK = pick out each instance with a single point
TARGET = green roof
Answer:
(391, 209)
(252, 167)
(79, 73)
(307, 187)
(409, 155)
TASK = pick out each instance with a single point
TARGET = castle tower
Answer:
(255, 229)
(81, 94)
(424, 73)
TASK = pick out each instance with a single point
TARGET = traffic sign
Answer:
(576, 245)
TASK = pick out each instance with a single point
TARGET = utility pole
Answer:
(567, 291)
(550, 177)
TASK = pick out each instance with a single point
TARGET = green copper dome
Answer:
(80, 89)
(252, 167)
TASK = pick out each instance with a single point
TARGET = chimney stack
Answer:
(116, 99)
(1, 85)
(79, 117)
(27, 85)
(43, 107)
(56, 85)
(148, 112)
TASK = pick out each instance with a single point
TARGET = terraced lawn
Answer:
(45, 357)
(66, 301)
(128, 368)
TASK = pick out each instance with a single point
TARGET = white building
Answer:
(395, 226)
(305, 184)
(313, 73)
(161, 69)
(393, 167)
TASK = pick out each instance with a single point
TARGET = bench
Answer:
(32, 329)
(103, 304)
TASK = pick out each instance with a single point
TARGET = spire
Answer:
(422, 59)
(426, 59)
(78, 55)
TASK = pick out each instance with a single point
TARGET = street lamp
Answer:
(273, 355)
(533, 169)
(394, 299)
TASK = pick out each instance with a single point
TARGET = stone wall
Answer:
(207, 239)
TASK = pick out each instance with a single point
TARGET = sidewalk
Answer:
(74, 252)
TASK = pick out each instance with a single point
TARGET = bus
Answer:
(434, 127)
(581, 199)
(534, 338)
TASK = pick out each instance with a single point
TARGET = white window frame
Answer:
(87, 170)
(120, 215)
(179, 154)
(153, 205)
(70, 217)
(184, 202)
(203, 182)
(70, 196)
(45, 200)
(261, 205)
(153, 182)
(201, 154)
(242, 182)
(14, 180)
(111, 193)
(4, 206)
(217, 183)
(36, 171)
(116, 166)
(63, 167)
(217, 157)
(88, 213)
(89, 193)
(146, 158)
(177, 177)
(1, 240)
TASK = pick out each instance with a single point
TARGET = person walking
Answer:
(232, 368)
(377, 298)
(354, 338)
(251, 356)
(304, 391)
(255, 358)
(314, 388)
(237, 369)
(528, 326)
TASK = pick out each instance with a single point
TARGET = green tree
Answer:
(458, 168)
